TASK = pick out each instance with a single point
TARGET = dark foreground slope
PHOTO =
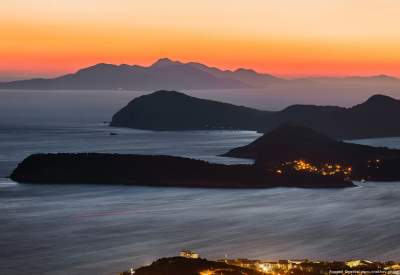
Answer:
(157, 171)
(168, 110)
(289, 143)
(184, 266)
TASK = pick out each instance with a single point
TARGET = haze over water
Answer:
(73, 229)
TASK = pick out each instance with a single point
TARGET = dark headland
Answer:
(170, 110)
(185, 266)
(291, 147)
(159, 171)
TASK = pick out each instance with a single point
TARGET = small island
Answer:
(291, 148)
(148, 170)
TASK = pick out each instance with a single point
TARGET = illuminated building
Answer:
(297, 262)
(393, 267)
(355, 263)
(189, 254)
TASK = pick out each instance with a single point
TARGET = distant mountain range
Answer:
(164, 74)
(170, 110)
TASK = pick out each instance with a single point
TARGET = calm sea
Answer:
(77, 229)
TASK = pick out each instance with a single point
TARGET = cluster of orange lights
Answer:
(330, 170)
(327, 169)
(301, 165)
(207, 272)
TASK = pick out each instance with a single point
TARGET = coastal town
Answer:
(326, 169)
(226, 266)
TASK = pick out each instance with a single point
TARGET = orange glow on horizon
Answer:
(293, 39)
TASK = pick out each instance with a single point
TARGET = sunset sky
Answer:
(286, 38)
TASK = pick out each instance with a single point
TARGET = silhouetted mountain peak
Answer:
(166, 93)
(378, 103)
(101, 65)
(284, 143)
(384, 76)
(98, 67)
(164, 62)
(254, 78)
(246, 71)
(291, 133)
(168, 109)
(380, 99)
(298, 108)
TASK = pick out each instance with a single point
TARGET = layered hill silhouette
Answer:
(170, 110)
(175, 75)
(291, 146)
(163, 74)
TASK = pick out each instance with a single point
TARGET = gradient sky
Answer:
(287, 38)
